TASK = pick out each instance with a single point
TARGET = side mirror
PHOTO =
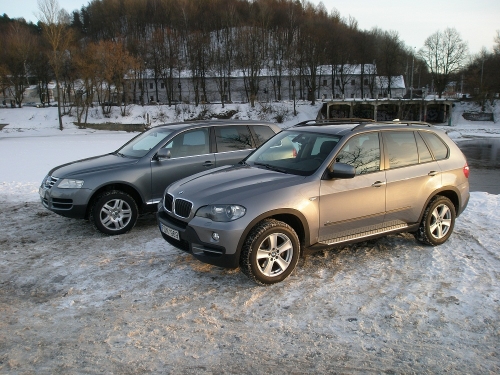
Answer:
(163, 153)
(341, 170)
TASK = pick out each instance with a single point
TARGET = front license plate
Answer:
(170, 232)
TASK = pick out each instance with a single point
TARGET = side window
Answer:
(362, 152)
(232, 138)
(423, 152)
(190, 143)
(263, 133)
(401, 148)
(436, 145)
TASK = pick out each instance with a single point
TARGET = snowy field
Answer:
(75, 301)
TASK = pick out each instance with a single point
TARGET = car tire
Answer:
(114, 212)
(438, 222)
(270, 252)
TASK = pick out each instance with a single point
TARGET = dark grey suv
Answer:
(345, 183)
(113, 189)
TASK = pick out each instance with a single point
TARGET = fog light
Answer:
(215, 236)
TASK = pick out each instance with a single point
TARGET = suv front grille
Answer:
(183, 207)
(49, 181)
(168, 202)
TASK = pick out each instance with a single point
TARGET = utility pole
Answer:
(412, 68)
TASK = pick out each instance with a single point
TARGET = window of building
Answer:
(325, 82)
(337, 82)
(353, 82)
(151, 85)
(366, 81)
(163, 85)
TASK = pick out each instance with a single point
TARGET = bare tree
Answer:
(18, 50)
(390, 48)
(55, 26)
(444, 53)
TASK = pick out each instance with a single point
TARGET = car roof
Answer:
(351, 125)
(197, 123)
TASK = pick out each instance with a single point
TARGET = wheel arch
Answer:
(293, 218)
(115, 186)
(449, 192)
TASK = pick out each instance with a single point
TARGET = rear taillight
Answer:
(466, 170)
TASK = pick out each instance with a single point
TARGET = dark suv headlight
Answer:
(69, 183)
(222, 212)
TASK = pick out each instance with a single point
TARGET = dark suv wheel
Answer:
(270, 253)
(114, 212)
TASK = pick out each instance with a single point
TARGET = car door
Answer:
(189, 154)
(412, 175)
(354, 207)
(233, 143)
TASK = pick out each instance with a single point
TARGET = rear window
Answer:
(436, 144)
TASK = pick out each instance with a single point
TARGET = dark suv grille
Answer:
(183, 207)
(49, 181)
(167, 202)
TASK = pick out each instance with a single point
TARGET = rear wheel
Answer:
(114, 212)
(438, 222)
(270, 253)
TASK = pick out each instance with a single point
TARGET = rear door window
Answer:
(232, 138)
(262, 133)
(401, 148)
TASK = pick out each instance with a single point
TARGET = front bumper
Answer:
(195, 238)
(70, 203)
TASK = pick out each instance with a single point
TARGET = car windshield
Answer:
(294, 152)
(139, 146)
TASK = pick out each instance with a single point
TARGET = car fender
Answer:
(291, 216)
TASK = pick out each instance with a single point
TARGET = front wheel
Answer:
(114, 212)
(270, 253)
(438, 222)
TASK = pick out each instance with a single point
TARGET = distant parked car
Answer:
(112, 190)
(345, 182)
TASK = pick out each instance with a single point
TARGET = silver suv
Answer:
(332, 184)
(113, 189)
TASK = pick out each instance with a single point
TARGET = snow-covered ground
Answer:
(75, 301)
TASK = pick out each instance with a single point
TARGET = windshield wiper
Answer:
(271, 167)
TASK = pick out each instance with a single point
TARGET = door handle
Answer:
(208, 164)
(432, 173)
(378, 184)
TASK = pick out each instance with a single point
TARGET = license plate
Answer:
(170, 232)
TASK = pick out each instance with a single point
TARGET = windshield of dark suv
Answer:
(294, 152)
(139, 146)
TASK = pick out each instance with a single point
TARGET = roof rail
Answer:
(333, 121)
(394, 122)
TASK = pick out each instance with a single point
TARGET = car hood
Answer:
(233, 184)
(93, 164)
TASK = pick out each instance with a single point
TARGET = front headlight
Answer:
(221, 212)
(68, 183)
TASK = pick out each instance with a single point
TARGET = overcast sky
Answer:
(476, 20)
